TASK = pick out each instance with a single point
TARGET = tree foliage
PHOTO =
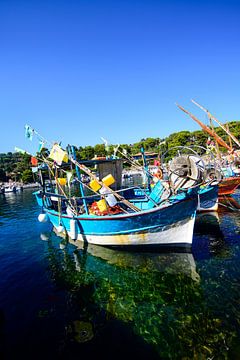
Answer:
(13, 165)
(27, 176)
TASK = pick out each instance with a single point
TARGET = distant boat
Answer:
(228, 185)
(227, 181)
(10, 189)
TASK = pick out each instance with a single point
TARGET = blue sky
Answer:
(81, 70)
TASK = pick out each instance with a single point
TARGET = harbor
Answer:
(119, 180)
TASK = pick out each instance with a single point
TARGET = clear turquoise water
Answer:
(57, 302)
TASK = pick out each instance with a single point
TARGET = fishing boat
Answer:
(228, 185)
(168, 224)
(108, 218)
(13, 188)
(10, 189)
(230, 180)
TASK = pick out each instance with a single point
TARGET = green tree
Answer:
(85, 153)
(27, 176)
(151, 144)
(99, 150)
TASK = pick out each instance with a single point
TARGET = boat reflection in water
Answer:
(229, 203)
(177, 260)
(143, 305)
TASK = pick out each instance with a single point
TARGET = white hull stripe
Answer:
(180, 233)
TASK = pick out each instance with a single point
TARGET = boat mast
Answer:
(73, 155)
(229, 137)
(207, 129)
(225, 128)
(145, 166)
(216, 144)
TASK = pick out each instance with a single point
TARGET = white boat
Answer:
(10, 189)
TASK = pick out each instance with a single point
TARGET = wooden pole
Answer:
(73, 154)
(217, 147)
(207, 129)
(229, 138)
(225, 128)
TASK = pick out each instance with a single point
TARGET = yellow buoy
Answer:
(108, 180)
(102, 205)
(94, 185)
(62, 181)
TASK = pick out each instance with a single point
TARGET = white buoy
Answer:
(111, 200)
(73, 229)
(42, 218)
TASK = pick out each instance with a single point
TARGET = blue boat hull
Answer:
(171, 224)
(208, 198)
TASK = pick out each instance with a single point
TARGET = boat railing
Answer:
(51, 194)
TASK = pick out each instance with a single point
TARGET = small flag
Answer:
(40, 146)
(28, 132)
(69, 176)
(58, 154)
(21, 151)
(34, 161)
